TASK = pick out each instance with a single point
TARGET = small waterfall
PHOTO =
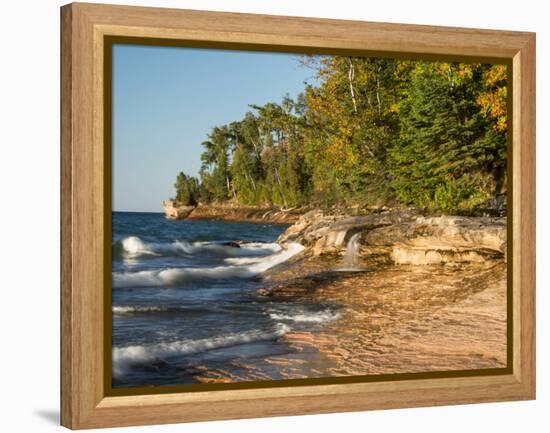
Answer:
(351, 258)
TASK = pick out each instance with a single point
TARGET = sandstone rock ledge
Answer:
(173, 211)
(229, 212)
(403, 237)
(232, 212)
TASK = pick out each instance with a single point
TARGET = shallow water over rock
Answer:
(393, 319)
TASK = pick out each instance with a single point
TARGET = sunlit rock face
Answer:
(173, 211)
(237, 212)
(405, 237)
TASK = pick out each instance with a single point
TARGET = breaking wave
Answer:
(133, 246)
(307, 316)
(174, 276)
(124, 309)
(127, 357)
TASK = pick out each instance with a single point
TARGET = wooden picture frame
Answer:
(85, 190)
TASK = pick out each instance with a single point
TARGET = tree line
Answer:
(371, 131)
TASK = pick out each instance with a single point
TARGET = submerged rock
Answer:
(396, 319)
(234, 244)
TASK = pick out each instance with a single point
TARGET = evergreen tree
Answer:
(246, 170)
(441, 158)
(187, 190)
(215, 173)
(371, 131)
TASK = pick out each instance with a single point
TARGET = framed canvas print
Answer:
(267, 216)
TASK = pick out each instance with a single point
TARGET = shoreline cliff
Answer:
(232, 212)
(393, 236)
(402, 237)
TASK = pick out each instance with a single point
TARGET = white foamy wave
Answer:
(309, 317)
(244, 249)
(126, 357)
(124, 309)
(282, 255)
(133, 246)
(174, 276)
(243, 260)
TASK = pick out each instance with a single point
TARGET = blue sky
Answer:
(165, 102)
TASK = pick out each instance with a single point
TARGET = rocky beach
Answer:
(414, 294)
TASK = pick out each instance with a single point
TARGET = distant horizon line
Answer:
(136, 211)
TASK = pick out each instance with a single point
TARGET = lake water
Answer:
(184, 298)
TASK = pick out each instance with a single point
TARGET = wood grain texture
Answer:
(305, 32)
(84, 26)
(67, 395)
(524, 166)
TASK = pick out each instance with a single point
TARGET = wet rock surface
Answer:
(426, 294)
(408, 318)
(392, 319)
